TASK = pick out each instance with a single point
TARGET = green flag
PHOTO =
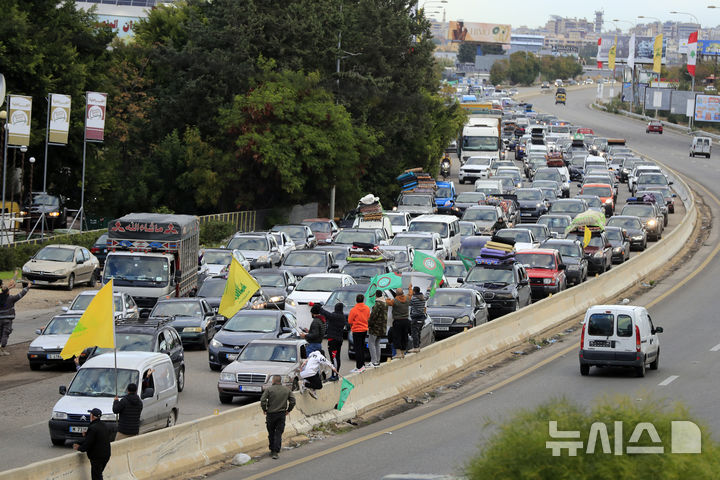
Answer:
(468, 263)
(345, 389)
(381, 282)
(428, 264)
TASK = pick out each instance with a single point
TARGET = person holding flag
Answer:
(377, 328)
(401, 321)
(7, 311)
(418, 312)
(432, 266)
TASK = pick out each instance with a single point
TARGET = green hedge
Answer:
(12, 257)
(215, 232)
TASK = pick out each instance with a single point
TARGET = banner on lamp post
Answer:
(95, 108)
(657, 53)
(59, 125)
(18, 120)
(631, 52)
(692, 53)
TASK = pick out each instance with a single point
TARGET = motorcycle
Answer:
(445, 168)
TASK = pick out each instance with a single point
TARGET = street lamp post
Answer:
(23, 150)
(32, 168)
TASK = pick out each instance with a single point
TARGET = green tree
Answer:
(466, 52)
(499, 72)
(524, 68)
(518, 448)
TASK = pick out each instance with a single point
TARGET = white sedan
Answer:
(316, 288)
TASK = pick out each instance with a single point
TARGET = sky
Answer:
(534, 13)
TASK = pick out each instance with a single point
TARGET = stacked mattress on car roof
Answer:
(498, 251)
(370, 208)
(416, 180)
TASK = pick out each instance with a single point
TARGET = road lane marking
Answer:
(668, 380)
(715, 348)
(44, 422)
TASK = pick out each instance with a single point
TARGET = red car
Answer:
(546, 270)
(585, 131)
(654, 126)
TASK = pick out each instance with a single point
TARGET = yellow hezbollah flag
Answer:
(239, 288)
(586, 237)
(96, 327)
(657, 53)
(611, 55)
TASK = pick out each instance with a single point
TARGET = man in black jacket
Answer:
(336, 322)
(7, 312)
(314, 335)
(128, 409)
(96, 444)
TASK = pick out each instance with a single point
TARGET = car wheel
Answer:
(655, 363)
(690, 154)
(93, 279)
(181, 379)
(71, 282)
(58, 442)
(215, 368)
(172, 419)
(225, 398)
(584, 370)
(640, 371)
(204, 344)
(35, 365)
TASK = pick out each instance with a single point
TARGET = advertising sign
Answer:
(708, 47)
(120, 25)
(18, 120)
(707, 108)
(478, 32)
(643, 49)
(95, 116)
(59, 118)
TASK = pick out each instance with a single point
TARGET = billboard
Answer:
(121, 25)
(643, 49)
(459, 31)
(707, 108)
(708, 47)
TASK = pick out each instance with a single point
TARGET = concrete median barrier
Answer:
(186, 447)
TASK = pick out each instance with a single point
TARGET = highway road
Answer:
(440, 436)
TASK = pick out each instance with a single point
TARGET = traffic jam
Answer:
(539, 206)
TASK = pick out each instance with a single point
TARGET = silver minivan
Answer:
(95, 386)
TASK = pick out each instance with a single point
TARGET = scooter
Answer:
(445, 168)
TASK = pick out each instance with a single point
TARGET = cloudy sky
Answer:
(535, 13)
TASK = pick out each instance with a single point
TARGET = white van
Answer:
(489, 187)
(94, 387)
(447, 226)
(619, 336)
(701, 146)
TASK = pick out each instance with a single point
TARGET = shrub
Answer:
(215, 232)
(15, 256)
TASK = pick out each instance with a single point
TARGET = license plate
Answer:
(526, 214)
(231, 356)
(40, 282)
(78, 429)
(54, 356)
(248, 388)
(442, 329)
(599, 343)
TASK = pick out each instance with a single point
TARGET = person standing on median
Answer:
(314, 334)
(418, 313)
(358, 320)
(96, 444)
(401, 321)
(277, 401)
(7, 311)
(377, 328)
(128, 410)
(334, 333)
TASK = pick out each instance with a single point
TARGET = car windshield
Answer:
(455, 270)
(470, 197)
(567, 250)
(631, 223)
(100, 382)
(419, 243)
(549, 193)
(596, 241)
(212, 287)
(600, 324)
(577, 161)
(567, 207)
(306, 259)
(477, 161)
(593, 202)
(489, 275)
(443, 192)
(450, 299)
(614, 235)
(538, 231)
(268, 352)
(536, 260)
(357, 269)
(482, 214)
(415, 200)
(598, 191)
(55, 254)
(664, 191)
(249, 243)
(273, 280)
(547, 175)
(467, 229)
(554, 222)
(170, 309)
(82, 301)
(46, 200)
(130, 342)
(488, 190)
(217, 258)
(481, 144)
(529, 195)
(318, 284)
(638, 210)
(137, 270)
(398, 220)
(244, 322)
(652, 179)
(322, 227)
(346, 237)
(61, 326)
(431, 227)
(346, 297)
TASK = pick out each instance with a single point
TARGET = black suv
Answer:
(505, 288)
(52, 205)
(192, 318)
(573, 256)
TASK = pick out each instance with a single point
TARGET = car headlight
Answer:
(598, 254)
(463, 319)
(547, 281)
(286, 379)
(291, 302)
(263, 258)
(227, 377)
(637, 237)
(617, 249)
(54, 214)
(651, 223)
(35, 349)
(215, 344)
(26, 269)
(108, 417)
(59, 415)
(277, 299)
(448, 203)
(538, 205)
(192, 329)
(61, 271)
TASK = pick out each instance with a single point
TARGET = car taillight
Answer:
(582, 339)
(94, 250)
(637, 338)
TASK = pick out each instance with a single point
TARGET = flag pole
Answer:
(112, 301)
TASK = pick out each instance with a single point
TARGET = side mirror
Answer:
(38, 331)
(273, 249)
(218, 326)
(62, 390)
(287, 330)
(147, 393)
(461, 280)
(334, 266)
(64, 309)
(658, 330)
(670, 183)
(674, 195)
(80, 261)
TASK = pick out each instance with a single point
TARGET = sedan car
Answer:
(454, 310)
(99, 249)
(424, 242)
(276, 284)
(362, 272)
(245, 326)
(300, 234)
(193, 319)
(454, 270)
(402, 256)
(62, 265)
(532, 204)
(654, 126)
(305, 262)
(125, 306)
(340, 253)
(316, 288)
(216, 260)
(284, 242)
(652, 220)
(46, 348)
(633, 226)
(324, 229)
(568, 206)
(576, 265)
(620, 244)
(261, 248)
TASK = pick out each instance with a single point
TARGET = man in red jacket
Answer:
(358, 320)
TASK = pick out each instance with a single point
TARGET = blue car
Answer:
(445, 197)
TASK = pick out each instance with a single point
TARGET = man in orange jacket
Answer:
(358, 320)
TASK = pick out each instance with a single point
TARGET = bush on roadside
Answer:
(15, 256)
(213, 233)
(518, 449)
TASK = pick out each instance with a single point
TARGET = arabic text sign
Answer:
(479, 32)
(59, 118)
(95, 116)
(707, 108)
(122, 26)
(18, 120)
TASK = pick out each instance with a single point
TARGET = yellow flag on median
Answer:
(96, 327)
(239, 288)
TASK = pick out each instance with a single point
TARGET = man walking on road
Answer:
(358, 320)
(418, 312)
(97, 444)
(7, 312)
(128, 409)
(401, 321)
(377, 328)
(277, 401)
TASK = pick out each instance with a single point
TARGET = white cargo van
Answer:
(94, 387)
(619, 336)
(701, 146)
(447, 226)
